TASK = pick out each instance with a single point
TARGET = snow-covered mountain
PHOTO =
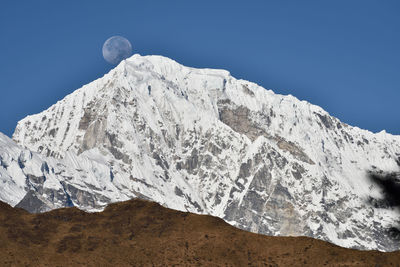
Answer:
(201, 140)
(39, 183)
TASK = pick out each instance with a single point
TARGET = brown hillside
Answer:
(141, 233)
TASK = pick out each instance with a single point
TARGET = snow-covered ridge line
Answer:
(201, 140)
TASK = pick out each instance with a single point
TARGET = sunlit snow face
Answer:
(116, 49)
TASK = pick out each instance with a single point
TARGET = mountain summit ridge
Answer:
(202, 141)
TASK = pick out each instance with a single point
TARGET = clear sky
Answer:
(341, 55)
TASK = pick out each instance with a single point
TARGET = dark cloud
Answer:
(389, 182)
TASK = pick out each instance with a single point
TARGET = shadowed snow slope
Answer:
(202, 141)
(38, 183)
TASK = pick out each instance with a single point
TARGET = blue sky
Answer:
(341, 55)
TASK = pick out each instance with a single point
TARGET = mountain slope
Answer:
(141, 233)
(202, 141)
(38, 183)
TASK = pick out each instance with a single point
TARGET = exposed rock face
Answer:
(32, 203)
(240, 120)
(202, 141)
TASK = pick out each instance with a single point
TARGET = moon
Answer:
(116, 49)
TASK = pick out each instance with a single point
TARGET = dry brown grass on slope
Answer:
(141, 233)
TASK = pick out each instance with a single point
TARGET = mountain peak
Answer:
(202, 141)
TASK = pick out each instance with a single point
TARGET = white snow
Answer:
(155, 106)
